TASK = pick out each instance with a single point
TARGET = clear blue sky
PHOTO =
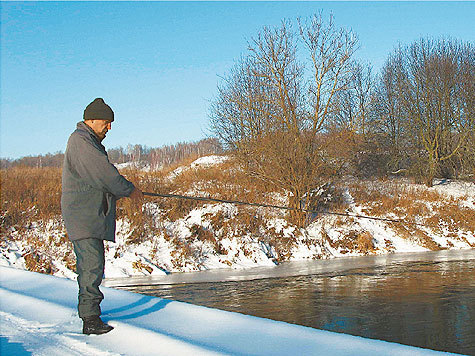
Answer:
(157, 64)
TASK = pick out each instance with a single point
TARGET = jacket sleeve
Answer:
(94, 168)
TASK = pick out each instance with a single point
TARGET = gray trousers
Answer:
(90, 269)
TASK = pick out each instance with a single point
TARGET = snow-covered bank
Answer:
(334, 266)
(178, 236)
(39, 312)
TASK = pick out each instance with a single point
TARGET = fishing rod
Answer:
(237, 202)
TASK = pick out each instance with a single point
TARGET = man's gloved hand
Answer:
(136, 196)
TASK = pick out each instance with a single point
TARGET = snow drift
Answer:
(39, 311)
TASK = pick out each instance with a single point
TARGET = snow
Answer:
(38, 317)
(38, 312)
(202, 162)
(455, 188)
(207, 161)
(143, 166)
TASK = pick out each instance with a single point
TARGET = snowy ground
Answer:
(38, 317)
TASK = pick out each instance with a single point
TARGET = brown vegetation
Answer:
(28, 195)
(31, 198)
(271, 114)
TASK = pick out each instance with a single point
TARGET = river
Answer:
(419, 299)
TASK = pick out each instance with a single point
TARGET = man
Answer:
(91, 185)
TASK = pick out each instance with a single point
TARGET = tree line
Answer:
(155, 158)
(297, 109)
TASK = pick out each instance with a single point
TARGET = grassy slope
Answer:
(182, 235)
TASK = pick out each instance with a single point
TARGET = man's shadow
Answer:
(157, 305)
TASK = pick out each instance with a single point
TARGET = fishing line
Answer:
(237, 202)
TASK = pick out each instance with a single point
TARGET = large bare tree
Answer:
(424, 106)
(272, 107)
(439, 106)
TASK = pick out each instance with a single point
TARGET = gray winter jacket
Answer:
(91, 185)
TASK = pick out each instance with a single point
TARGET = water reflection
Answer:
(429, 304)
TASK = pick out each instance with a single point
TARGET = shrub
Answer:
(29, 194)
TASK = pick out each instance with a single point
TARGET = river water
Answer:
(425, 299)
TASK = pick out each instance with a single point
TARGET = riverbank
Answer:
(37, 321)
(170, 235)
(333, 266)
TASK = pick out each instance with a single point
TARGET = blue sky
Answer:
(158, 64)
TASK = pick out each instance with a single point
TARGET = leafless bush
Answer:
(426, 107)
(270, 112)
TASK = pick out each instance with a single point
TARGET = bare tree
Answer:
(363, 87)
(271, 110)
(389, 117)
(439, 109)
(466, 78)
(351, 105)
(424, 107)
(331, 50)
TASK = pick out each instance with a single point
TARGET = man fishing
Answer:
(91, 186)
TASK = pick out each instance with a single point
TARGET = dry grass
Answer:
(222, 181)
(407, 202)
(32, 195)
(415, 234)
(140, 266)
(411, 204)
(360, 241)
(392, 198)
(29, 194)
(454, 217)
(364, 243)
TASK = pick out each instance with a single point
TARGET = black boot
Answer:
(94, 325)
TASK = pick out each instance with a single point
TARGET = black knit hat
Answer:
(98, 110)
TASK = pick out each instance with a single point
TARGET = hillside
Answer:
(171, 235)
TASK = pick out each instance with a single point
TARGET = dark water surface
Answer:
(426, 303)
